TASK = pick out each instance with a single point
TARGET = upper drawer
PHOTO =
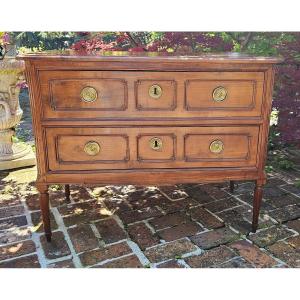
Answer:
(128, 95)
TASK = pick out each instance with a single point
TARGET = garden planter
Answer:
(12, 155)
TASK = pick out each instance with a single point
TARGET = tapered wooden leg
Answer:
(258, 191)
(67, 192)
(44, 203)
(231, 186)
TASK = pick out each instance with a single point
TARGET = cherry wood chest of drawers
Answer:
(118, 118)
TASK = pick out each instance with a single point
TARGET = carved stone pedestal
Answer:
(12, 155)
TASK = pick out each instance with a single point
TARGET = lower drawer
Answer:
(71, 149)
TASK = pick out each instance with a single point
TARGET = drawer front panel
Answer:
(217, 147)
(155, 95)
(88, 94)
(101, 95)
(156, 147)
(164, 147)
(220, 95)
(78, 149)
(81, 149)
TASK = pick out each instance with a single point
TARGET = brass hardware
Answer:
(219, 94)
(88, 94)
(92, 148)
(155, 143)
(155, 91)
(216, 146)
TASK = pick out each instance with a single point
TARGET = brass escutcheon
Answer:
(155, 91)
(216, 146)
(155, 143)
(219, 94)
(88, 94)
(92, 148)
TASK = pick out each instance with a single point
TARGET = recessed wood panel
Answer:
(165, 151)
(166, 101)
(235, 147)
(70, 148)
(66, 149)
(65, 95)
(240, 95)
(239, 146)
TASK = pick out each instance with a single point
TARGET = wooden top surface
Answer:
(154, 57)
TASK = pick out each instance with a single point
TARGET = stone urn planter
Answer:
(12, 155)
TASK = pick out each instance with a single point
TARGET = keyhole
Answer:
(155, 91)
(155, 144)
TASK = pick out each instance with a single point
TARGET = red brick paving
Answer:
(17, 249)
(253, 254)
(295, 224)
(180, 231)
(23, 262)
(110, 231)
(83, 238)
(58, 246)
(11, 211)
(142, 235)
(170, 250)
(131, 261)
(203, 216)
(170, 264)
(269, 236)
(62, 264)
(13, 222)
(211, 257)
(214, 238)
(169, 220)
(99, 255)
(286, 253)
(179, 226)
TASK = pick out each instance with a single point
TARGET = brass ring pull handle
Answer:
(216, 146)
(219, 94)
(156, 144)
(155, 91)
(92, 148)
(88, 94)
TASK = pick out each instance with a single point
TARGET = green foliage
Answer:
(42, 40)
(258, 43)
(269, 169)
(280, 160)
(274, 142)
(286, 164)
(297, 184)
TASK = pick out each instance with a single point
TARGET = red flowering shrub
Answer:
(287, 91)
(169, 41)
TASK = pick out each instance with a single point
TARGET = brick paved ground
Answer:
(180, 226)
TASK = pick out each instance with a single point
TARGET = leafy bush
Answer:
(40, 40)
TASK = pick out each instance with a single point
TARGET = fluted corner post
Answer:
(258, 193)
(44, 204)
